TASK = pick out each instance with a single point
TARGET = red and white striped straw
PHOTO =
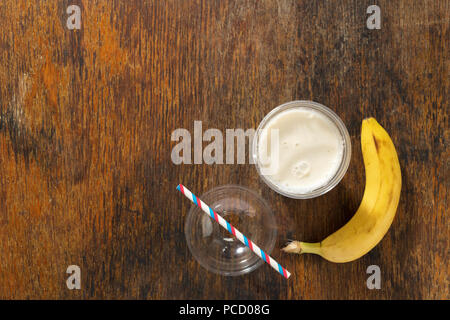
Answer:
(224, 223)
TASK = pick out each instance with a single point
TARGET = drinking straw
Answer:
(224, 223)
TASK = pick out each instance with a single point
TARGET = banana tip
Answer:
(292, 247)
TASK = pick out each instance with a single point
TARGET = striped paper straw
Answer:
(224, 223)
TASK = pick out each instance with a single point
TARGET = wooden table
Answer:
(86, 176)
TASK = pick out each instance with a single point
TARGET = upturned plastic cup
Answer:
(214, 247)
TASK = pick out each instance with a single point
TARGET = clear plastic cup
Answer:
(346, 155)
(214, 247)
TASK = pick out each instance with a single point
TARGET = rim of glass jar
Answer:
(346, 154)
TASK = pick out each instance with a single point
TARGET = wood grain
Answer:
(86, 117)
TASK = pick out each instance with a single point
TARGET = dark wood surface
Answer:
(86, 176)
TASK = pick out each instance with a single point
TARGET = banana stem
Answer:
(310, 247)
(302, 247)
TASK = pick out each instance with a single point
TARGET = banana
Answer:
(378, 205)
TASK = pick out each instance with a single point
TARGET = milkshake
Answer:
(301, 149)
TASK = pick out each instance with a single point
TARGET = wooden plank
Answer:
(86, 176)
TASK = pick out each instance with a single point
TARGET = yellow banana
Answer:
(378, 205)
